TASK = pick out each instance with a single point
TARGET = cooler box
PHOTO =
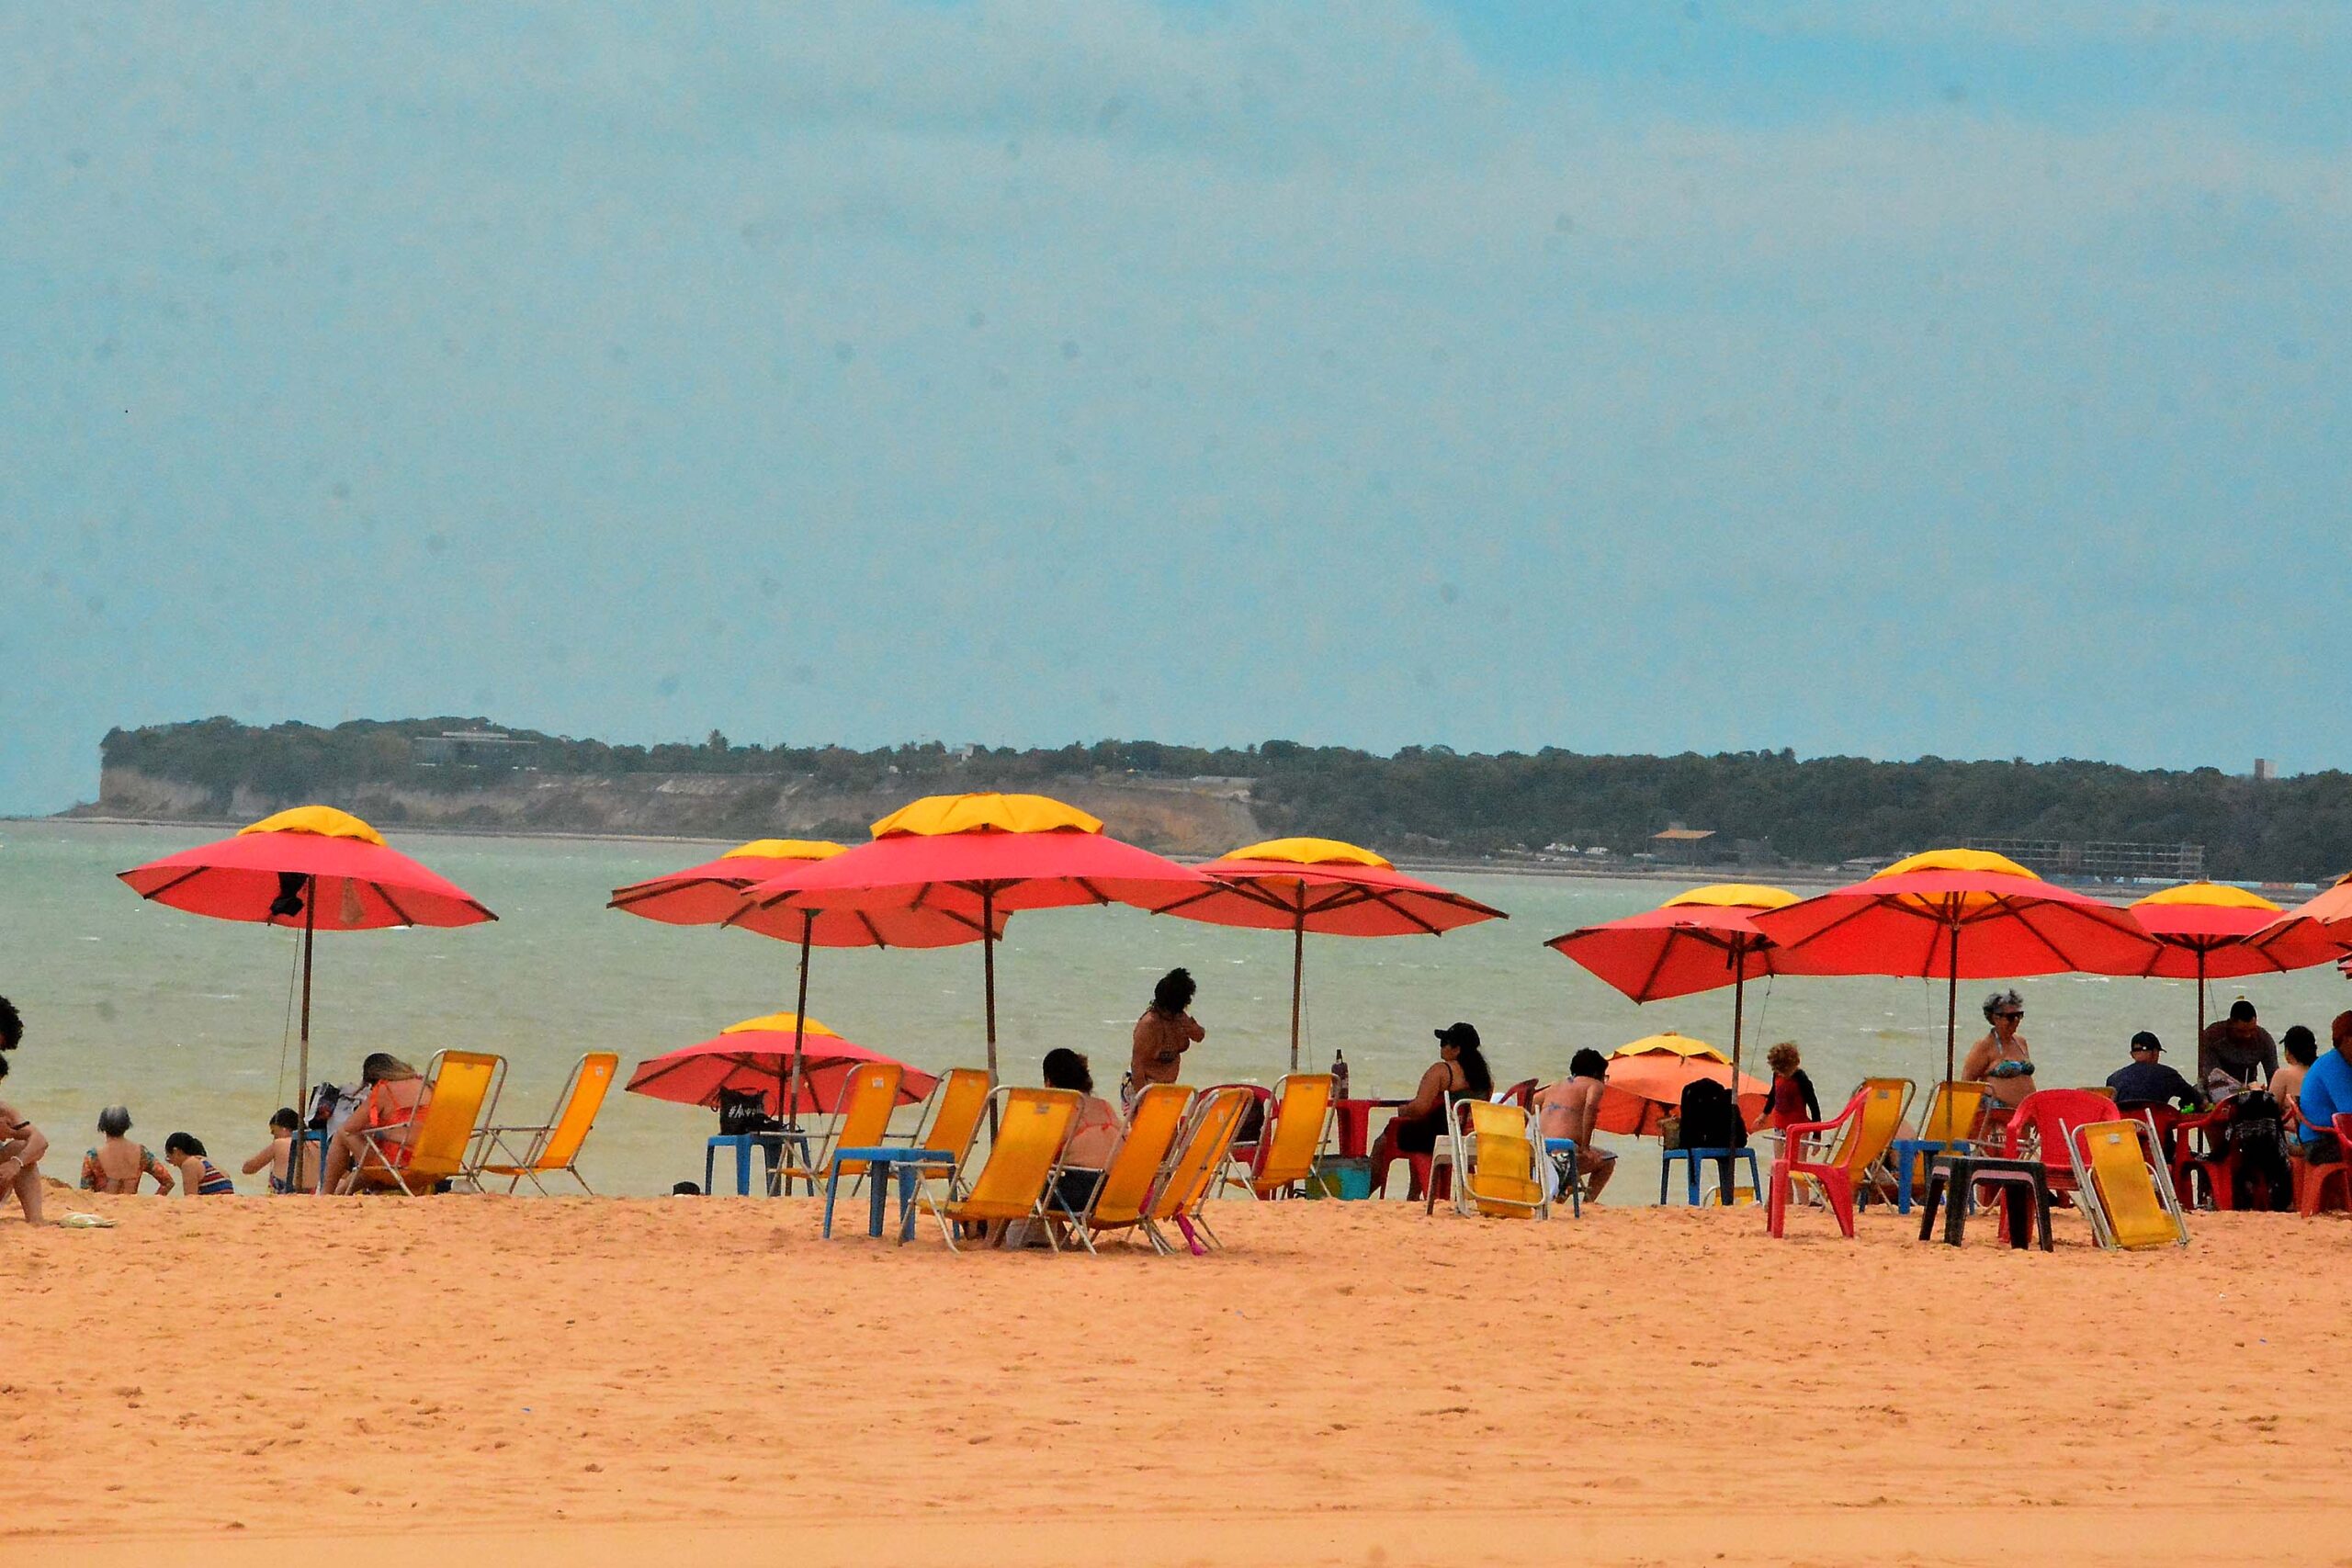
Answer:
(1340, 1177)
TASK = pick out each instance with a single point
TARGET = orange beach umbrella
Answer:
(1647, 1079)
(1324, 886)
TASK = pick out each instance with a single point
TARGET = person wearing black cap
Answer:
(1461, 1071)
(2147, 1081)
(2237, 1045)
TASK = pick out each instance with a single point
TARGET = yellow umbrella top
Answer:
(986, 812)
(323, 821)
(2208, 896)
(1957, 859)
(777, 1023)
(1307, 852)
(1671, 1045)
(1733, 896)
(785, 849)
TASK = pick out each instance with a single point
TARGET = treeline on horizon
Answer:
(1818, 810)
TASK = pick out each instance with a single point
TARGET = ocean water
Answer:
(189, 1022)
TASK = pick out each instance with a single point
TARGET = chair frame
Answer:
(1037, 1213)
(524, 1164)
(1275, 1100)
(927, 1118)
(1084, 1224)
(373, 1159)
(2093, 1203)
(821, 1166)
(1186, 1211)
(1464, 1166)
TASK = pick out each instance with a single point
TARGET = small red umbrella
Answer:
(711, 894)
(1647, 1079)
(312, 868)
(1322, 885)
(1957, 915)
(2207, 930)
(978, 858)
(749, 1058)
(1694, 942)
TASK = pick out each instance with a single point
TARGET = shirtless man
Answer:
(1568, 1109)
(21, 1146)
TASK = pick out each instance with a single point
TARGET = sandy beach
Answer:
(482, 1379)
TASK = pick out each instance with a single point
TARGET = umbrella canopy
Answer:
(2332, 910)
(1957, 915)
(711, 894)
(1694, 942)
(312, 868)
(978, 858)
(751, 1057)
(1322, 885)
(2205, 930)
(1647, 1079)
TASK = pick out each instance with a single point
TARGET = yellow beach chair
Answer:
(527, 1154)
(1492, 1149)
(951, 1120)
(2121, 1181)
(1128, 1181)
(1954, 1109)
(1861, 1149)
(435, 1144)
(1031, 1126)
(1202, 1149)
(1293, 1138)
(861, 1119)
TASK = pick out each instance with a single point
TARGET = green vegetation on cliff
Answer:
(1824, 809)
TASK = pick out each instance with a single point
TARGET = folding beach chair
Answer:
(1031, 1126)
(1292, 1137)
(2122, 1183)
(521, 1154)
(1862, 1148)
(950, 1120)
(1492, 1149)
(433, 1143)
(1954, 1110)
(1128, 1181)
(1203, 1148)
(861, 1119)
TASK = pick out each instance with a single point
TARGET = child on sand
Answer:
(1790, 1099)
(199, 1178)
(278, 1152)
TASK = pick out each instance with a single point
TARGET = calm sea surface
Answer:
(189, 1021)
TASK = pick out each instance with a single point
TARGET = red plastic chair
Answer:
(2312, 1182)
(2052, 1115)
(1818, 1139)
(1522, 1094)
(2219, 1171)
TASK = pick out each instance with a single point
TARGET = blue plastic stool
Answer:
(1576, 1180)
(1690, 1159)
(1906, 1150)
(771, 1144)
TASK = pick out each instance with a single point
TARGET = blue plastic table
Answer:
(770, 1142)
(1690, 1159)
(881, 1160)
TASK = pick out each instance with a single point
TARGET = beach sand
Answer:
(465, 1380)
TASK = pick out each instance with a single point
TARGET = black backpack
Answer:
(1710, 1118)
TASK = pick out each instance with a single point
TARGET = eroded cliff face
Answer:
(1175, 818)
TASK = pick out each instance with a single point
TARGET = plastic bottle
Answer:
(1339, 1075)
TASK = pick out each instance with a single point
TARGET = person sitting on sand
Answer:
(1571, 1109)
(1461, 1071)
(2002, 1059)
(2301, 1050)
(21, 1146)
(1791, 1098)
(2147, 1081)
(1165, 1031)
(278, 1155)
(395, 1093)
(118, 1165)
(1086, 1152)
(199, 1178)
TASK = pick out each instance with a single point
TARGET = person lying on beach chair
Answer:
(21, 1146)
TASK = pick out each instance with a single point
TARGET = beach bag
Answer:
(741, 1112)
(1710, 1118)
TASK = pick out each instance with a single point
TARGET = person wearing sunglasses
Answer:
(2002, 1058)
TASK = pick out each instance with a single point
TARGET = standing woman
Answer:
(1165, 1031)
(2002, 1059)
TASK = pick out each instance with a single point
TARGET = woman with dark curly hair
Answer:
(1165, 1031)
(21, 1146)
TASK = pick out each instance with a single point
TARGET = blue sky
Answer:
(1880, 380)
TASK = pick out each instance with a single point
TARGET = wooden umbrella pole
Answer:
(790, 1109)
(987, 982)
(310, 934)
(1738, 1011)
(1297, 972)
(2200, 999)
(1951, 1003)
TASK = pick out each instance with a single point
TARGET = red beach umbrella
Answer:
(1694, 942)
(750, 1058)
(2206, 930)
(312, 868)
(2332, 910)
(978, 858)
(1957, 915)
(1322, 885)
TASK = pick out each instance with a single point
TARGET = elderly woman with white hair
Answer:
(2002, 1058)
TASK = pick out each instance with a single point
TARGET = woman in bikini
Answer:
(2002, 1059)
(21, 1146)
(1461, 1071)
(199, 1178)
(118, 1165)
